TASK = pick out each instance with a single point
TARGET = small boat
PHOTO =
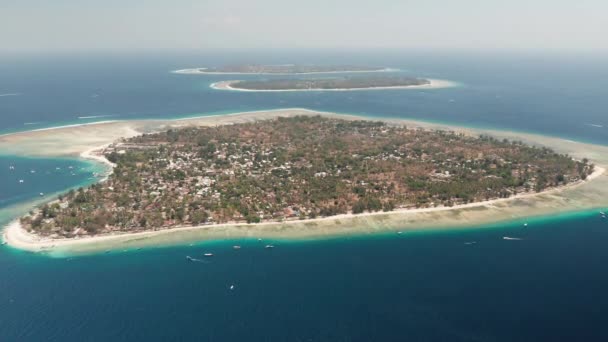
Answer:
(11, 167)
(269, 246)
(21, 181)
(32, 171)
(470, 242)
(399, 232)
(259, 239)
(208, 254)
(236, 247)
(232, 287)
(41, 194)
(526, 224)
(189, 258)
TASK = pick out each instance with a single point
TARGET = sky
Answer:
(68, 25)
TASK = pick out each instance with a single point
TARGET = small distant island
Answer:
(296, 168)
(283, 69)
(334, 83)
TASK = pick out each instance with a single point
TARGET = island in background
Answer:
(283, 69)
(296, 168)
(334, 83)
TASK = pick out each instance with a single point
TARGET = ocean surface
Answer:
(427, 286)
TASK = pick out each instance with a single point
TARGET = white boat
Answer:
(41, 194)
(470, 242)
(236, 247)
(208, 254)
(21, 181)
(231, 287)
(526, 224)
(269, 246)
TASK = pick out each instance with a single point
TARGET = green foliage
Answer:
(297, 168)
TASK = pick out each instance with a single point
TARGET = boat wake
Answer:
(10, 94)
(189, 258)
(511, 238)
(595, 125)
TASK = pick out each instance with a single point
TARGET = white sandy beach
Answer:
(83, 140)
(16, 236)
(434, 84)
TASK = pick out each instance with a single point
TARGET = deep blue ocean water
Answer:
(550, 286)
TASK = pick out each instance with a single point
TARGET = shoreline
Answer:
(84, 140)
(197, 71)
(91, 155)
(16, 236)
(434, 84)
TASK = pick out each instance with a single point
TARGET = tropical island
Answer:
(296, 168)
(280, 69)
(334, 83)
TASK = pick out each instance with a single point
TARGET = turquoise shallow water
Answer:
(431, 286)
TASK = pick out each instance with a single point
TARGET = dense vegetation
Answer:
(288, 69)
(297, 168)
(331, 83)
